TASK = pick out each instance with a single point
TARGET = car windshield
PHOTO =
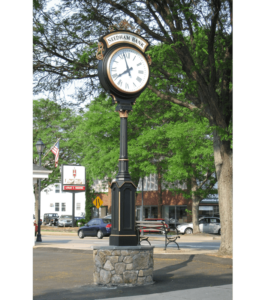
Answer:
(66, 216)
(106, 221)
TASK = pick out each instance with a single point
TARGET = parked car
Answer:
(107, 217)
(206, 225)
(173, 223)
(157, 220)
(96, 227)
(79, 218)
(51, 219)
(65, 220)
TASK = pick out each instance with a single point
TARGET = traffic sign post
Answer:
(98, 202)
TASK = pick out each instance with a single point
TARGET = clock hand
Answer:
(124, 73)
(127, 65)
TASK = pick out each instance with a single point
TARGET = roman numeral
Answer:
(139, 79)
(141, 72)
(120, 83)
(134, 57)
(134, 84)
(127, 54)
(114, 76)
(139, 64)
(121, 56)
(126, 85)
(113, 69)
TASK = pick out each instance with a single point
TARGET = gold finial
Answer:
(99, 54)
(123, 25)
(149, 60)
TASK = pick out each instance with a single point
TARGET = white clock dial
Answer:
(128, 70)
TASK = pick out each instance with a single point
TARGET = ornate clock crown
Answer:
(123, 25)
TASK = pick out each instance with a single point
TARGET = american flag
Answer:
(55, 151)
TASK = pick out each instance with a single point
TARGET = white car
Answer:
(206, 225)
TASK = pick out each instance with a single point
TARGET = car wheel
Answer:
(219, 232)
(81, 234)
(188, 231)
(99, 234)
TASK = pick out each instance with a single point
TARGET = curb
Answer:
(154, 238)
(157, 251)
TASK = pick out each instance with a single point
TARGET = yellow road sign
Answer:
(97, 202)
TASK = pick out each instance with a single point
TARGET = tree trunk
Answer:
(159, 204)
(36, 192)
(195, 206)
(223, 158)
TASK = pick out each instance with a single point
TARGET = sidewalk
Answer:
(72, 231)
(223, 292)
(68, 275)
(77, 245)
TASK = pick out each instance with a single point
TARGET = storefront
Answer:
(172, 212)
(209, 207)
(175, 212)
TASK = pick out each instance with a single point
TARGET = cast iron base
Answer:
(120, 240)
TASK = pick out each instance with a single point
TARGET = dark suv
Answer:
(51, 219)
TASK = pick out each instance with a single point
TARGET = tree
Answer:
(192, 63)
(50, 122)
(160, 140)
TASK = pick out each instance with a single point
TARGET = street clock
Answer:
(124, 73)
(123, 68)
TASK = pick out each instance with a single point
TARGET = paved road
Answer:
(89, 242)
(60, 274)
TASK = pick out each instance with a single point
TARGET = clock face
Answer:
(127, 70)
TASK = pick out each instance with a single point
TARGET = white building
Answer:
(53, 200)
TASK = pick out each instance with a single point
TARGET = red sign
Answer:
(74, 188)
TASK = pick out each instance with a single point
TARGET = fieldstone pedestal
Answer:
(123, 265)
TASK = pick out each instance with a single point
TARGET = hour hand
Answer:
(124, 73)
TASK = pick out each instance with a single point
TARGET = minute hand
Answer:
(126, 64)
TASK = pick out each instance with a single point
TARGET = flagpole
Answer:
(51, 148)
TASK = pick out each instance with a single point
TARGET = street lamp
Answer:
(40, 148)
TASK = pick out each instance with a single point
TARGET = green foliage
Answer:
(50, 122)
(162, 137)
(189, 212)
(82, 221)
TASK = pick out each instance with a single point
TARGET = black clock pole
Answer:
(123, 190)
(123, 193)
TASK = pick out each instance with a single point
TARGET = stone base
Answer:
(123, 265)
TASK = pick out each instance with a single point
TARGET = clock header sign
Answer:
(73, 178)
(121, 37)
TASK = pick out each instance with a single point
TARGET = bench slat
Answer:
(148, 222)
(154, 226)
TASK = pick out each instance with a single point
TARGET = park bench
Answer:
(154, 226)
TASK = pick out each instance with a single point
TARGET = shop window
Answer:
(181, 213)
(150, 212)
(63, 206)
(78, 206)
(57, 206)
